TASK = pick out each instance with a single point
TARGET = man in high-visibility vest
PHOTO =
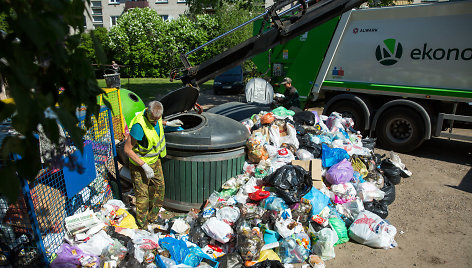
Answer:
(145, 146)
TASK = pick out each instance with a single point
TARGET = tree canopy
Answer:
(38, 57)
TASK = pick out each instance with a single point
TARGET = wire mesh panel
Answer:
(32, 229)
(113, 97)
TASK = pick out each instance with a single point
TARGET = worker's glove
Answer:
(279, 95)
(175, 123)
(148, 170)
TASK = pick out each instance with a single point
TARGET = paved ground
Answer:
(432, 211)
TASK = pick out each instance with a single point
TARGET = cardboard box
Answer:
(314, 167)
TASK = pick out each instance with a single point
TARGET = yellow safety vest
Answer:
(156, 144)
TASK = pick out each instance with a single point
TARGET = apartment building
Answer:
(105, 13)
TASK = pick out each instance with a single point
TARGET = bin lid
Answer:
(180, 100)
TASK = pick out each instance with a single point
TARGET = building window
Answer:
(96, 11)
(113, 2)
(98, 26)
(96, 4)
(162, 1)
(113, 20)
(97, 19)
(181, 1)
(165, 17)
(85, 22)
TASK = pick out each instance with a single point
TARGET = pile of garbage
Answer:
(311, 182)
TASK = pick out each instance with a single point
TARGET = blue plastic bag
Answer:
(332, 156)
(317, 199)
(274, 203)
(177, 248)
(196, 256)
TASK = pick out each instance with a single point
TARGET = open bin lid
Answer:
(180, 100)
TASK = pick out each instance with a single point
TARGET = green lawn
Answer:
(152, 88)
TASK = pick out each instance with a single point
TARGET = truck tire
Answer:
(400, 129)
(348, 109)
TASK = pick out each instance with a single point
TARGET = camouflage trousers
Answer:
(149, 193)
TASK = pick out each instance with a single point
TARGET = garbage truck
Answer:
(403, 73)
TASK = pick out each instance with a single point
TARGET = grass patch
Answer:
(149, 89)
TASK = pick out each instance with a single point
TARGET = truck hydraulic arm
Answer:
(283, 30)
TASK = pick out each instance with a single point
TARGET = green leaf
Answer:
(10, 184)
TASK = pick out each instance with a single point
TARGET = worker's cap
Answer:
(286, 81)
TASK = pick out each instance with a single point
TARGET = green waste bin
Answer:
(209, 151)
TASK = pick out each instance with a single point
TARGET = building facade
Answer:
(105, 13)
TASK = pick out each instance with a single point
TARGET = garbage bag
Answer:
(370, 230)
(249, 244)
(317, 199)
(292, 252)
(324, 245)
(305, 118)
(274, 203)
(268, 254)
(369, 143)
(359, 166)
(395, 159)
(290, 182)
(290, 138)
(378, 207)
(197, 235)
(389, 190)
(392, 172)
(70, 256)
(268, 264)
(304, 154)
(267, 118)
(307, 144)
(332, 156)
(367, 191)
(340, 228)
(196, 255)
(340, 173)
(228, 214)
(230, 260)
(301, 211)
(282, 112)
(255, 147)
(218, 230)
(177, 248)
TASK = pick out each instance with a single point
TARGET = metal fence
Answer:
(32, 229)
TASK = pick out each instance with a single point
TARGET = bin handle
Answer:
(110, 71)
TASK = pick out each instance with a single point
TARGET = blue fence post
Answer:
(33, 220)
(115, 157)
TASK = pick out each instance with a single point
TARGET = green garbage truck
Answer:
(403, 73)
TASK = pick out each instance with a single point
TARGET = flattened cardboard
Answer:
(314, 167)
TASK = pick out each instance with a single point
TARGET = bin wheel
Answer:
(401, 129)
(349, 109)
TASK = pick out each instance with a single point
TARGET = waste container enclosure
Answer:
(203, 156)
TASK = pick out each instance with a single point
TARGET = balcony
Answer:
(134, 4)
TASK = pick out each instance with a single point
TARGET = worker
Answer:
(144, 147)
(291, 99)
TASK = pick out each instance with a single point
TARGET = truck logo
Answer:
(389, 52)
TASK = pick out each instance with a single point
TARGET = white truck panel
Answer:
(427, 46)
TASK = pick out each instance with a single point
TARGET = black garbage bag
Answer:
(197, 235)
(369, 143)
(307, 144)
(389, 190)
(377, 207)
(300, 129)
(230, 260)
(392, 172)
(305, 118)
(290, 183)
(268, 264)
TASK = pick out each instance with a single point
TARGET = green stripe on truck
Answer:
(461, 93)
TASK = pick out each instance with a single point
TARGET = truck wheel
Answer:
(215, 91)
(400, 129)
(349, 109)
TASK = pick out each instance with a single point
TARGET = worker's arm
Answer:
(129, 144)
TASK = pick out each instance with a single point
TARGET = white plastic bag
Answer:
(367, 191)
(290, 138)
(303, 154)
(324, 246)
(369, 229)
(218, 230)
